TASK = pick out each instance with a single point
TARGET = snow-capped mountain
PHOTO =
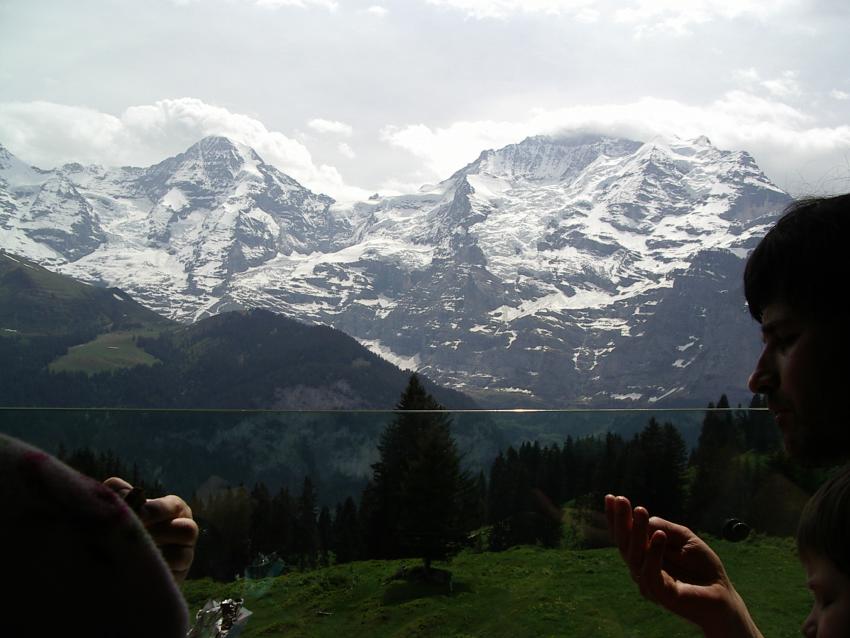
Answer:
(555, 272)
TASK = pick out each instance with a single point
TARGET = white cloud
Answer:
(377, 10)
(394, 186)
(330, 126)
(839, 95)
(783, 86)
(502, 9)
(648, 16)
(778, 135)
(676, 16)
(47, 134)
(746, 76)
(587, 15)
(346, 150)
(444, 150)
(330, 5)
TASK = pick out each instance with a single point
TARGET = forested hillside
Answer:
(65, 343)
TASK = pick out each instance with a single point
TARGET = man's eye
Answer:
(783, 342)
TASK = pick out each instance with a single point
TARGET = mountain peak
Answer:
(214, 161)
(549, 157)
(215, 142)
(5, 156)
(17, 173)
(214, 148)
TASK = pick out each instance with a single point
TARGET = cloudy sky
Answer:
(355, 97)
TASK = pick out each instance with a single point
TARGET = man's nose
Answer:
(764, 378)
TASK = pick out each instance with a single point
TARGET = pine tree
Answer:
(307, 530)
(522, 509)
(325, 534)
(477, 506)
(759, 427)
(346, 532)
(224, 550)
(262, 540)
(655, 476)
(671, 491)
(414, 501)
(283, 524)
(716, 478)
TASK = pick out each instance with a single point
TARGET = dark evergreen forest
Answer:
(421, 504)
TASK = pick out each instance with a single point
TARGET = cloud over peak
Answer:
(771, 130)
(330, 126)
(47, 134)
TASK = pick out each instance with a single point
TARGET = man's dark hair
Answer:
(804, 260)
(825, 523)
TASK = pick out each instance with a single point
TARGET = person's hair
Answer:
(802, 260)
(824, 527)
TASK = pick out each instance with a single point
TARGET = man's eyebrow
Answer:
(768, 327)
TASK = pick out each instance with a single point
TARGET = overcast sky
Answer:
(355, 97)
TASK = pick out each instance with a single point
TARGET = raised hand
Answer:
(169, 522)
(676, 569)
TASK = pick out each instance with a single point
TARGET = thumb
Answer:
(118, 485)
(133, 496)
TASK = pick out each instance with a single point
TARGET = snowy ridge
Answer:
(527, 275)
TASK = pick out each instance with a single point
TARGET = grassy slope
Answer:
(522, 592)
(109, 351)
(36, 301)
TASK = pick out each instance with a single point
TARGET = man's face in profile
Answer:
(802, 372)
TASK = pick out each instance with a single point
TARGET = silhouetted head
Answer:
(803, 260)
(795, 283)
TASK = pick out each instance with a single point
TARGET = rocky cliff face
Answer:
(552, 272)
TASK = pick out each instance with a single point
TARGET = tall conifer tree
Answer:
(415, 496)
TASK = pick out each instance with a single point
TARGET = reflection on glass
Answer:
(304, 498)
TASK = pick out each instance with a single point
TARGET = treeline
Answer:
(420, 504)
(103, 465)
(23, 374)
(532, 494)
(529, 487)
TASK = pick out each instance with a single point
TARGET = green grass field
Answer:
(109, 351)
(526, 591)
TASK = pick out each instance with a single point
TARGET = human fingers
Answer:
(689, 557)
(176, 541)
(651, 579)
(676, 534)
(623, 525)
(165, 508)
(134, 497)
(118, 485)
(638, 543)
(610, 501)
(180, 531)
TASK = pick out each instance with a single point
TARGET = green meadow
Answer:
(525, 591)
(109, 351)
